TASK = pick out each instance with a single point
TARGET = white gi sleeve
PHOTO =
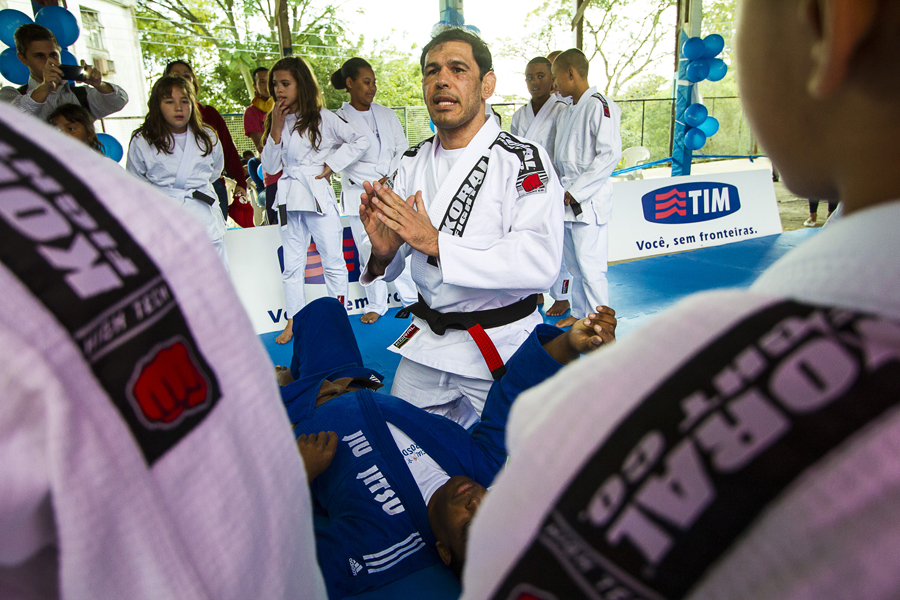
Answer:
(352, 144)
(607, 153)
(270, 157)
(526, 258)
(135, 164)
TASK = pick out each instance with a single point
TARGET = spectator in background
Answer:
(37, 49)
(233, 166)
(814, 208)
(75, 121)
(255, 114)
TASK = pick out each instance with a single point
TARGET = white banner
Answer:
(672, 214)
(254, 255)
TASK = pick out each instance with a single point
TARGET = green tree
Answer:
(226, 39)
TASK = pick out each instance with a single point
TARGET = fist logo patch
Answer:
(526, 591)
(167, 386)
(532, 182)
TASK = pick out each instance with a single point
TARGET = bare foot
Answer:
(558, 308)
(370, 317)
(283, 376)
(317, 451)
(567, 322)
(285, 336)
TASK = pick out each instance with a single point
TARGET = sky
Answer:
(497, 19)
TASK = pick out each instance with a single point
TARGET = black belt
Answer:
(475, 323)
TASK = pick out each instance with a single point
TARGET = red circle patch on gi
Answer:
(169, 385)
(532, 182)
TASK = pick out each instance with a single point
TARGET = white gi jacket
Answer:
(588, 148)
(496, 248)
(180, 174)
(96, 503)
(300, 163)
(540, 127)
(830, 533)
(101, 105)
(380, 159)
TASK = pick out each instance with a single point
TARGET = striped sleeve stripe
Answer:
(412, 550)
(405, 542)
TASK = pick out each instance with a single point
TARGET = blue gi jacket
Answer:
(377, 529)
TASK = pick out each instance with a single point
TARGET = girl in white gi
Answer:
(180, 155)
(387, 143)
(307, 143)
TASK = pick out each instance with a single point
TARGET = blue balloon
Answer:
(431, 125)
(713, 44)
(111, 146)
(695, 114)
(473, 29)
(710, 126)
(12, 68)
(61, 22)
(67, 58)
(694, 138)
(717, 69)
(693, 48)
(698, 70)
(10, 20)
(259, 171)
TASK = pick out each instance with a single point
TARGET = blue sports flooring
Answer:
(637, 290)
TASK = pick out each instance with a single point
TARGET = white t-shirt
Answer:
(369, 118)
(444, 161)
(428, 474)
(181, 138)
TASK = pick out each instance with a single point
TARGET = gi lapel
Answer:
(567, 127)
(539, 119)
(383, 145)
(451, 206)
(359, 122)
(189, 156)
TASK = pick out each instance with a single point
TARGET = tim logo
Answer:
(690, 203)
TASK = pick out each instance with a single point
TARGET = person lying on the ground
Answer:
(398, 485)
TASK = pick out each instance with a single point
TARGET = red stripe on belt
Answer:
(488, 351)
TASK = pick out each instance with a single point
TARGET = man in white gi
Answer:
(745, 445)
(536, 121)
(483, 224)
(145, 451)
(588, 147)
(46, 89)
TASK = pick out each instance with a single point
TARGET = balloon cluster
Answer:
(57, 19)
(701, 54)
(703, 64)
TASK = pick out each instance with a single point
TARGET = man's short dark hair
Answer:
(539, 60)
(574, 58)
(32, 32)
(259, 70)
(480, 50)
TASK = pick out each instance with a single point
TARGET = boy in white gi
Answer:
(745, 445)
(37, 49)
(145, 453)
(536, 121)
(588, 147)
(482, 221)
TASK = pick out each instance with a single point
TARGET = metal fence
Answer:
(645, 122)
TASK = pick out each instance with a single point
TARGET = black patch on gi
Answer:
(99, 284)
(532, 175)
(599, 97)
(696, 463)
(415, 149)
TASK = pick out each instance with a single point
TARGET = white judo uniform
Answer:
(541, 128)
(307, 206)
(180, 174)
(588, 148)
(145, 448)
(387, 143)
(763, 451)
(498, 209)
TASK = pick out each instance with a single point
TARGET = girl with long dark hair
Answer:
(180, 155)
(307, 143)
